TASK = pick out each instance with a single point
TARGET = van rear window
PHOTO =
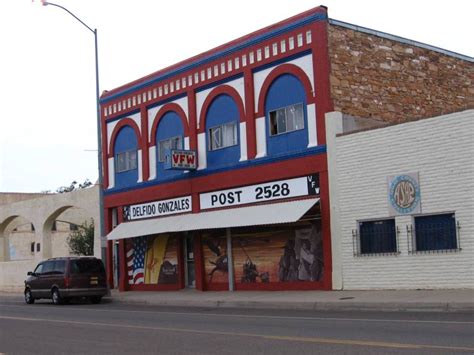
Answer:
(87, 266)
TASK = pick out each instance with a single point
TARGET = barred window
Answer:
(435, 232)
(376, 237)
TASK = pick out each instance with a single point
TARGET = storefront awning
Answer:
(283, 212)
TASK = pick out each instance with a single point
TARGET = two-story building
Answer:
(254, 212)
(215, 169)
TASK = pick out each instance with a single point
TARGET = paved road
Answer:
(109, 328)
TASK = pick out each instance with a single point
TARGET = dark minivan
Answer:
(61, 279)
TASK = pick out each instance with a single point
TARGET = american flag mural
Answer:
(136, 249)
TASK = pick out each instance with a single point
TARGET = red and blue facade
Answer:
(236, 84)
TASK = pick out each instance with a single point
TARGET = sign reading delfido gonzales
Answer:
(157, 208)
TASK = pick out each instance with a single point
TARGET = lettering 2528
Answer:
(270, 191)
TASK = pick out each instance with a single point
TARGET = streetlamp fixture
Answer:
(97, 97)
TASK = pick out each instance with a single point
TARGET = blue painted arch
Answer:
(170, 125)
(126, 140)
(222, 110)
(284, 91)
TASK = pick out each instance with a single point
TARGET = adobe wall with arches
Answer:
(36, 227)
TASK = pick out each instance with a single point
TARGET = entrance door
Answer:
(189, 261)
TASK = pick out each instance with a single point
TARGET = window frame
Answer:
(39, 268)
(391, 239)
(222, 135)
(59, 267)
(127, 161)
(285, 108)
(48, 267)
(160, 152)
(454, 233)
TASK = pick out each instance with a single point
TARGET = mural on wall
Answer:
(215, 257)
(285, 254)
(152, 260)
(265, 255)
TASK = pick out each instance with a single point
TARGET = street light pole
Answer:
(97, 98)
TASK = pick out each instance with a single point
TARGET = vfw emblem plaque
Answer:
(404, 194)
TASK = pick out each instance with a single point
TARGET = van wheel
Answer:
(29, 297)
(96, 299)
(56, 297)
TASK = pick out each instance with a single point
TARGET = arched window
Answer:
(169, 135)
(126, 158)
(286, 115)
(222, 132)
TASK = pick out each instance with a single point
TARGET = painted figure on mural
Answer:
(288, 266)
(250, 273)
(306, 261)
(310, 254)
(220, 264)
(221, 261)
(302, 259)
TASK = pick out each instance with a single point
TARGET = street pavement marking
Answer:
(200, 314)
(262, 336)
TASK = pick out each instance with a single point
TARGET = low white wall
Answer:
(13, 274)
(441, 150)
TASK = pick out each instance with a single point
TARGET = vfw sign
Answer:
(181, 160)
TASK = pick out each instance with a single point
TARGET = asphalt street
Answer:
(80, 328)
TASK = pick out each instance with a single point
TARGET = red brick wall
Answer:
(376, 77)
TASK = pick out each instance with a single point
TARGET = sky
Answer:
(48, 127)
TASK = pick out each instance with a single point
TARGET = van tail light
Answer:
(67, 282)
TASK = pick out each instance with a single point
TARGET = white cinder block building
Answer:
(402, 198)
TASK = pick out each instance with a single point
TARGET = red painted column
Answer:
(181, 260)
(123, 279)
(250, 114)
(145, 143)
(192, 116)
(326, 229)
(198, 262)
(322, 70)
(109, 252)
(109, 264)
(104, 157)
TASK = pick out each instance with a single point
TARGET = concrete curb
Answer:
(321, 305)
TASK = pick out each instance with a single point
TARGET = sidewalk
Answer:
(383, 300)
(396, 300)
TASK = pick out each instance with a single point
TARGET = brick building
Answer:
(215, 168)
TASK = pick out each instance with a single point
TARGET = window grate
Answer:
(434, 234)
(376, 238)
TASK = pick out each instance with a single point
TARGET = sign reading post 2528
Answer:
(274, 190)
